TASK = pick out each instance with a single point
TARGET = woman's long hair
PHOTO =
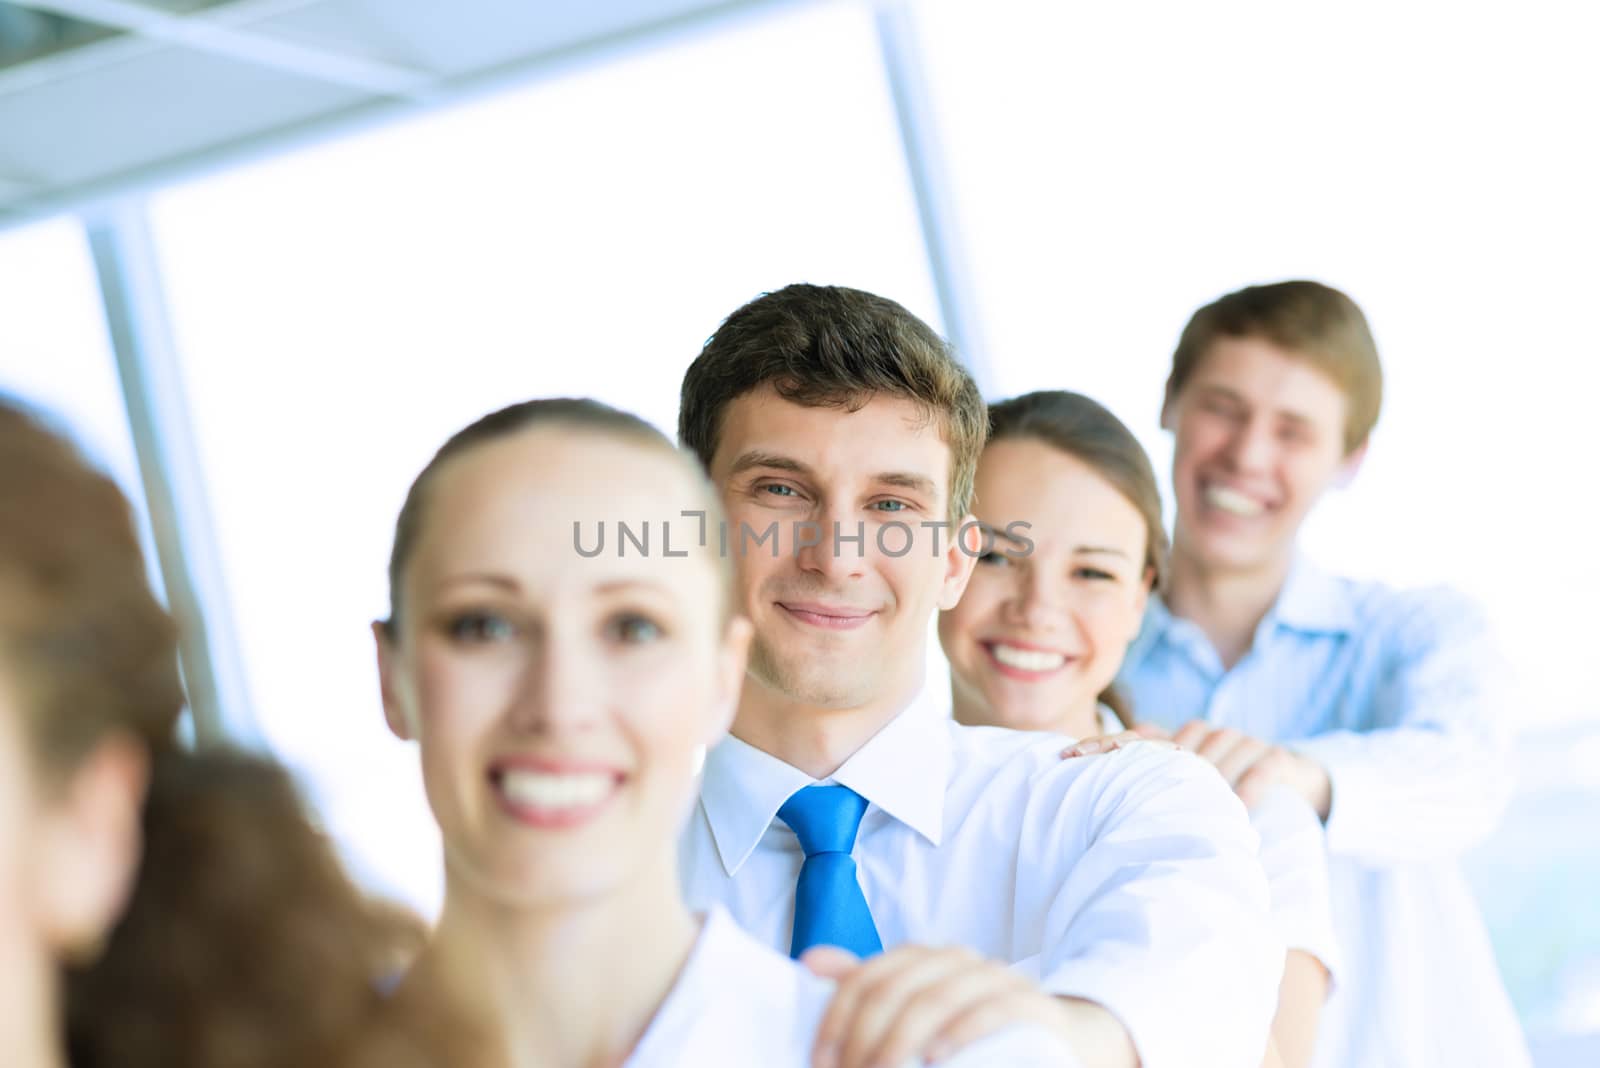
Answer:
(243, 944)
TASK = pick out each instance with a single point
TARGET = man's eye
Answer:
(777, 489)
(480, 627)
(634, 629)
(995, 558)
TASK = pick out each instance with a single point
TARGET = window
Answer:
(341, 311)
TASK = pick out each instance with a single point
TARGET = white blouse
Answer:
(738, 1004)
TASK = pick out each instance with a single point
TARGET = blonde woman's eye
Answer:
(635, 630)
(479, 628)
(892, 506)
(1095, 574)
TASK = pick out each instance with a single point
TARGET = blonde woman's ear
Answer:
(395, 709)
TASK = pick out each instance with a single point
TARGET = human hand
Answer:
(917, 1001)
(1252, 766)
(1106, 743)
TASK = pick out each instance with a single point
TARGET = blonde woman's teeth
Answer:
(1027, 659)
(547, 790)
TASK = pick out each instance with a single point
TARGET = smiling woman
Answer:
(561, 702)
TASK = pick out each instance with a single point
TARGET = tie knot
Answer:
(824, 818)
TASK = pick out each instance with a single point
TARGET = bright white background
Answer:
(340, 310)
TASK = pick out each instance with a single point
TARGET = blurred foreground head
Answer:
(164, 908)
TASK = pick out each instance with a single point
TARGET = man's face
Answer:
(839, 623)
(1259, 437)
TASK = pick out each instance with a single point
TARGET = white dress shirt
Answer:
(738, 1004)
(1294, 854)
(1128, 879)
(1401, 696)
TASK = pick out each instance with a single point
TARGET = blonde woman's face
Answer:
(561, 701)
(1042, 630)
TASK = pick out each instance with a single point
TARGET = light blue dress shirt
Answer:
(1403, 698)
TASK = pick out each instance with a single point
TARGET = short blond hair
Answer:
(1309, 320)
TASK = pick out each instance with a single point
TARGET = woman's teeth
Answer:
(1233, 502)
(539, 789)
(1027, 659)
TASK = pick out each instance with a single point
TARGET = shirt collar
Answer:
(1313, 601)
(904, 770)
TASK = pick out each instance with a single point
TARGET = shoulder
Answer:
(986, 749)
(780, 1003)
(1026, 769)
(1378, 604)
(1408, 624)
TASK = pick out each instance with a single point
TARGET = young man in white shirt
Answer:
(1123, 891)
(1386, 710)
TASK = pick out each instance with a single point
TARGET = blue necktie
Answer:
(829, 908)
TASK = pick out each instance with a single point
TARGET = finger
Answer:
(838, 1017)
(1221, 742)
(916, 1031)
(1191, 734)
(1249, 753)
(1103, 743)
(881, 1005)
(1254, 784)
(985, 1018)
(830, 962)
(866, 999)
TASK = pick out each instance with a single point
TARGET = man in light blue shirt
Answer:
(1388, 711)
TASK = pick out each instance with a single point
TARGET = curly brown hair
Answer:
(243, 945)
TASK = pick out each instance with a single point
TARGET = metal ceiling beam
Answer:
(174, 484)
(936, 209)
(205, 33)
(105, 192)
(125, 47)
